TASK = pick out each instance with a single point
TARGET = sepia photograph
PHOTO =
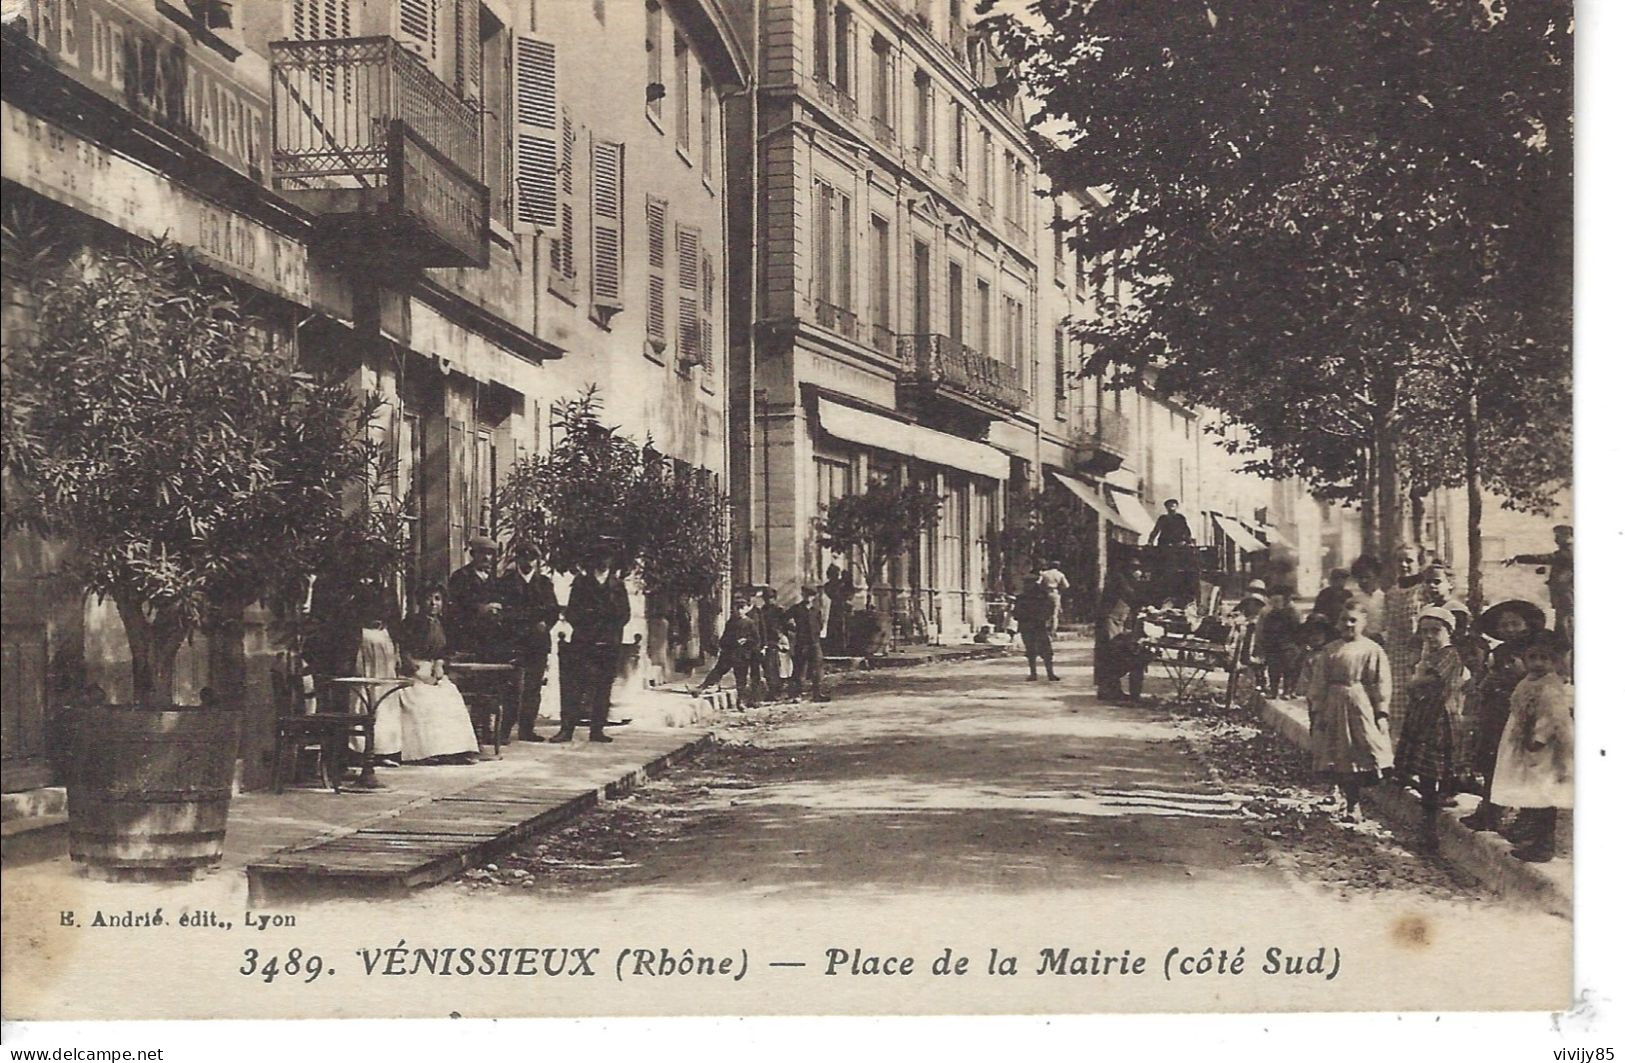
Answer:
(589, 508)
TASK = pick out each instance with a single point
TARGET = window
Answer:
(821, 38)
(922, 288)
(313, 20)
(653, 43)
(987, 168)
(708, 312)
(879, 271)
(1022, 202)
(984, 317)
(496, 51)
(961, 155)
(881, 82)
(679, 91)
(844, 38)
(1062, 382)
(655, 211)
(1058, 227)
(832, 266)
(708, 124)
(416, 23)
(956, 301)
(606, 191)
(536, 132)
(922, 112)
(688, 296)
(562, 256)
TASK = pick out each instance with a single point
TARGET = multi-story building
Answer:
(893, 294)
(455, 202)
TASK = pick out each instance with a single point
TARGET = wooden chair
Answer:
(492, 692)
(302, 724)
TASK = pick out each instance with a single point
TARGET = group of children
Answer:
(763, 640)
(1482, 705)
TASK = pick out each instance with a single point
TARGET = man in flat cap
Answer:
(475, 628)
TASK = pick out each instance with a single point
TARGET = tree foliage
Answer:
(153, 426)
(1328, 220)
(667, 522)
(878, 523)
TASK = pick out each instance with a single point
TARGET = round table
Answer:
(373, 690)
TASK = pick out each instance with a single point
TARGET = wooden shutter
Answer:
(605, 190)
(688, 295)
(466, 30)
(318, 20)
(563, 252)
(708, 320)
(536, 133)
(457, 489)
(656, 210)
(417, 21)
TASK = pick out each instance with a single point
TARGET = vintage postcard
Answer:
(523, 508)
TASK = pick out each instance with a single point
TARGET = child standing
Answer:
(1512, 622)
(1314, 635)
(1352, 686)
(1534, 767)
(740, 651)
(1277, 643)
(1428, 747)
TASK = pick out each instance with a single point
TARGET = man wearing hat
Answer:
(475, 627)
(807, 650)
(597, 612)
(1171, 528)
(1559, 566)
(531, 609)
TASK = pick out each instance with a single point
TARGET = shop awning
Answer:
(1244, 539)
(1091, 497)
(911, 440)
(1135, 518)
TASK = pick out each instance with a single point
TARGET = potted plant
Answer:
(872, 527)
(187, 463)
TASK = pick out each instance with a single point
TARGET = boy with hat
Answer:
(740, 645)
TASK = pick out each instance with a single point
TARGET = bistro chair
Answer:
(304, 725)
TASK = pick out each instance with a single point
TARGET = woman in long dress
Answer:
(434, 722)
(1353, 686)
(1429, 745)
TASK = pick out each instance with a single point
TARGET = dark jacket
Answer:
(741, 637)
(530, 609)
(423, 637)
(1171, 530)
(485, 637)
(1032, 609)
(1331, 601)
(597, 612)
(1277, 629)
(807, 616)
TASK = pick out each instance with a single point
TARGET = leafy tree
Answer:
(1309, 200)
(878, 524)
(683, 534)
(189, 464)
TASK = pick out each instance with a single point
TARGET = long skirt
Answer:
(433, 720)
(376, 659)
(1351, 743)
(1428, 744)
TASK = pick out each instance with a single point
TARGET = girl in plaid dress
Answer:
(1429, 749)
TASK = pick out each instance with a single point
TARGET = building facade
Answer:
(445, 200)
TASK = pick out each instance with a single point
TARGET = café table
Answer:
(482, 675)
(373, 690)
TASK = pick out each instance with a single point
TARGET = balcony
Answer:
(883, 340)
(836, 319)
(885, 135)
(836, 98)
(383, 151)
(1103, 440)
(942, 365)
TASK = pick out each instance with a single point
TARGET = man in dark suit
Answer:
(771, 615)
(741, 645)
(474, 604)
(531, 609)
(597, 613)
(1171, 528)
(806, 619)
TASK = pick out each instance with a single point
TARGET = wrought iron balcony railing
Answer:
(883, 339)
(361, 126)
(942, 362)
(836, 318)
(1103, 438)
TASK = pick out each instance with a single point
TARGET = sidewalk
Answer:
(1484, 855)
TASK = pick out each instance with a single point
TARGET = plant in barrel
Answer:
(188, 464)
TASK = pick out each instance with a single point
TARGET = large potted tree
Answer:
(186, 462)
(873, 527)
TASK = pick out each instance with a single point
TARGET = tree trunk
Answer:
(1387, 476)
(1368, 504)
(1418, 505)
(154, 645)
(1475, 506)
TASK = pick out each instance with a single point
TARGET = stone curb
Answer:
(1483, 854)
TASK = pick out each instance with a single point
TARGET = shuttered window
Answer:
(563, 256)
(606, 192)
(688, 295)
(317, 20)
(466, 39)
(536, 132)
(708, 307)
(416, 20)
(656, 216)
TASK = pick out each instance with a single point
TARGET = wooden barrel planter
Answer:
(148, 789)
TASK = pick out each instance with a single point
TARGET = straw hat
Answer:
(1489, 621)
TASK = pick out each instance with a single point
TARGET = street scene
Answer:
(1032, 471)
